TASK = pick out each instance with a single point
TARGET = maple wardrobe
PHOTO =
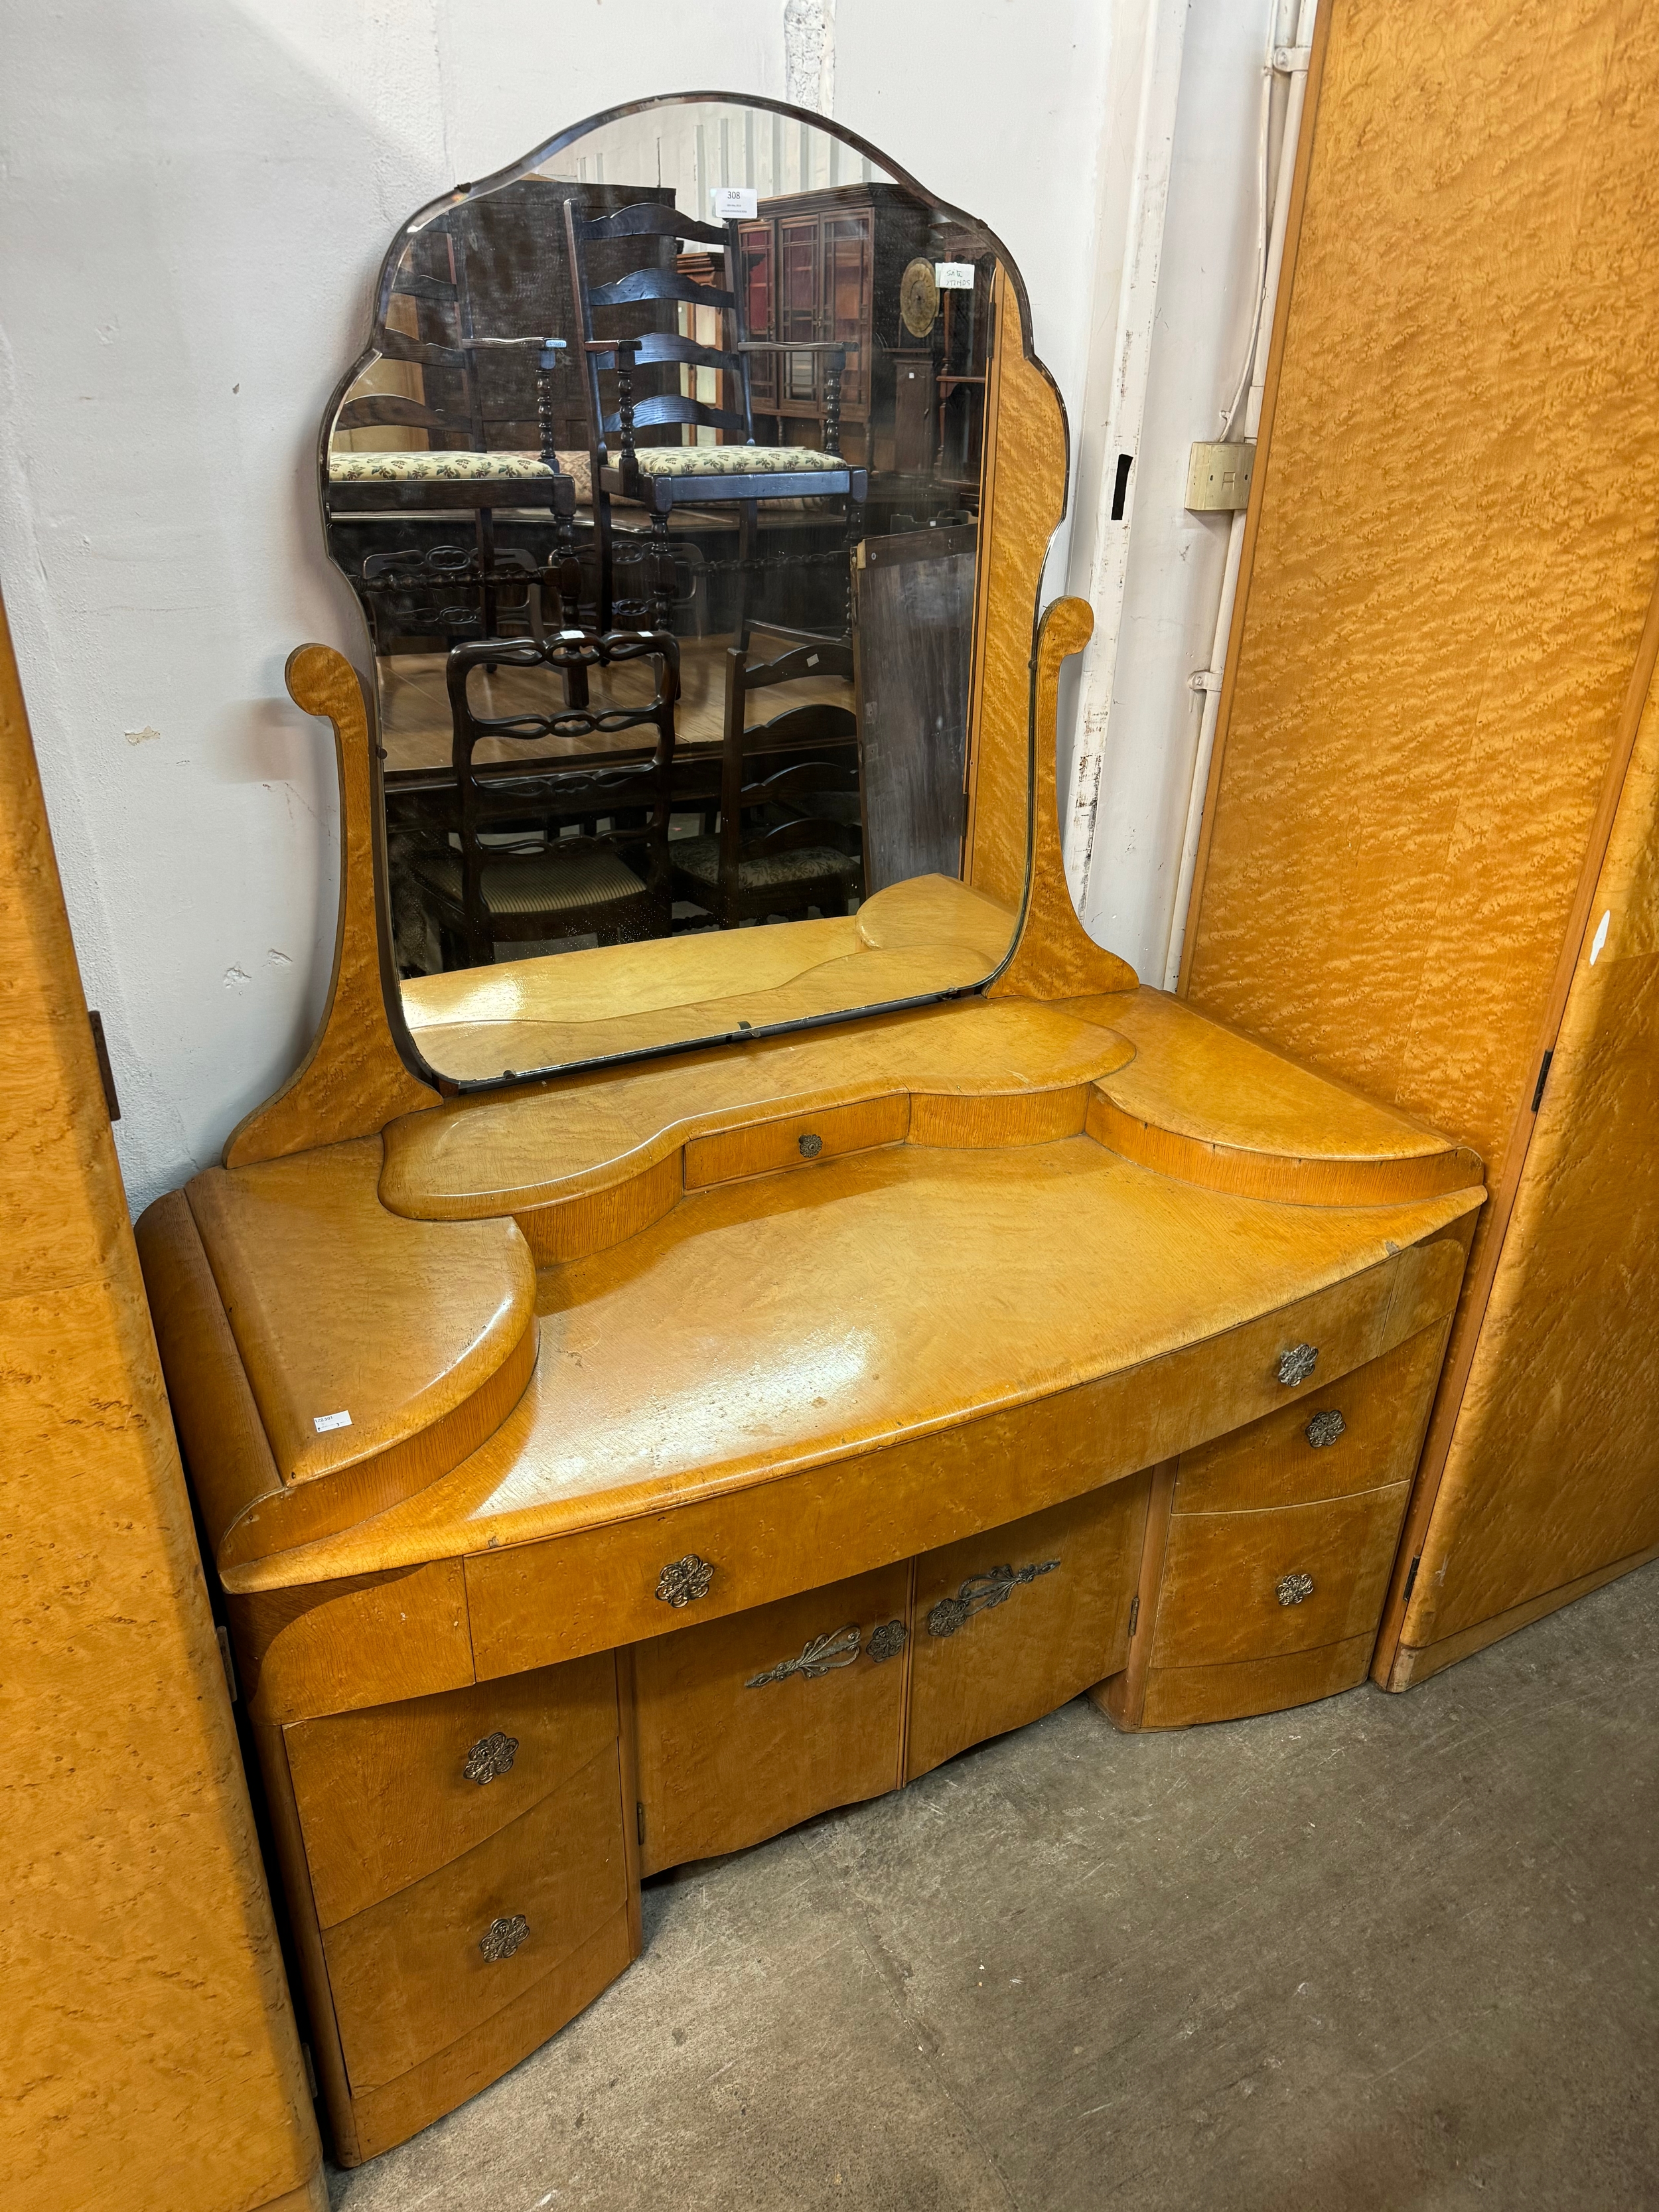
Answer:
(639, 1396)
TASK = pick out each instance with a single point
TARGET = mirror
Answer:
(660, 487)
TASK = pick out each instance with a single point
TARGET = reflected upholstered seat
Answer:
(574, 881)
(502, 870)
(734, 469)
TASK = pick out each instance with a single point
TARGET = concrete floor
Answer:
(1382, 1953)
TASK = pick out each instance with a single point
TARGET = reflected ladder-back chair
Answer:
(660, 478)
(531, 883)
(789, 836)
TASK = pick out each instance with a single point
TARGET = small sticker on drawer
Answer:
(327, 1421)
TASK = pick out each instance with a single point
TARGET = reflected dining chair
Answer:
(660, 476)
(507, 870)
(790, 836)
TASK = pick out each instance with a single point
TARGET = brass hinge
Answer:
(1543, 1078)
(639, 1822)
(1410, 1581)
(1134, 1612)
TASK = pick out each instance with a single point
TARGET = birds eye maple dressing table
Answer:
(614, 1465)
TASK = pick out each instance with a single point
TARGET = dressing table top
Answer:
(1046, 1196)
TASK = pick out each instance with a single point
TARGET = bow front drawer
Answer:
(1255, 1585)
(414, 1973)
(387, 1795)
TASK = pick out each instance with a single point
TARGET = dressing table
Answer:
(638, 1399)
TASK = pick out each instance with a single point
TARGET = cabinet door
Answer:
(797, 311)
(1011, 1623)
(750, 1724)
(757, 249)
(847, 282)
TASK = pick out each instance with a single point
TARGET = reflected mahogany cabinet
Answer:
(826, 265)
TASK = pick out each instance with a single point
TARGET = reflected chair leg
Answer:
(748, 513)
(602, 536)
(660, 578)
(855, 534)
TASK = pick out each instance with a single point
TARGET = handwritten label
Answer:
(733, 202)
(954, 276)
(326, 1421)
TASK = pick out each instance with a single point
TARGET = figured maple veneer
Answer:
(330, 1647)
(1203, 1102)
(582, 1165)
(1429, 783)
(1185, 1697)
(285, 1258)
(1223, 1571)
(705, 1734)
(385, 1797)
(151, 2059)
(1273, 1544)
(1274, 1461)
(352, 1080)
(408, 1976)
(1049, 1638)
(908, 941)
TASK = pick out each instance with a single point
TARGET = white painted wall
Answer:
(1171, 577)
(195, 199)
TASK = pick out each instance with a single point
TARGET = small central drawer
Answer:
(1251, 1585)
(420, 1970)
(387, 1795)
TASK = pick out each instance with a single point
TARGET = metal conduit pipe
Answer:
(1293, 62)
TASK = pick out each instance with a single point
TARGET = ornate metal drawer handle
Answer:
(1297, 1365)
(502, 1937)
(1291, 1589)
(837, 1646)
(887, 1641)
(979, 1593)
(1324, 1429)
(683, 1582)
(809, 1146)
(490, 1757)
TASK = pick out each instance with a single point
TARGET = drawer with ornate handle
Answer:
(1253, 1586)
(422, 1968)
(386, 1794)
(1363, 1431)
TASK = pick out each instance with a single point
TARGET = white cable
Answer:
(1261, 346)
(1263, 205)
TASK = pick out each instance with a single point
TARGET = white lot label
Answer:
(326, 1421)
(954, 276)
(733, 202)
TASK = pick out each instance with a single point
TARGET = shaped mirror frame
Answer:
(911, 940)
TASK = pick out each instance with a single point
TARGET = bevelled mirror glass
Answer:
(660, 488)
